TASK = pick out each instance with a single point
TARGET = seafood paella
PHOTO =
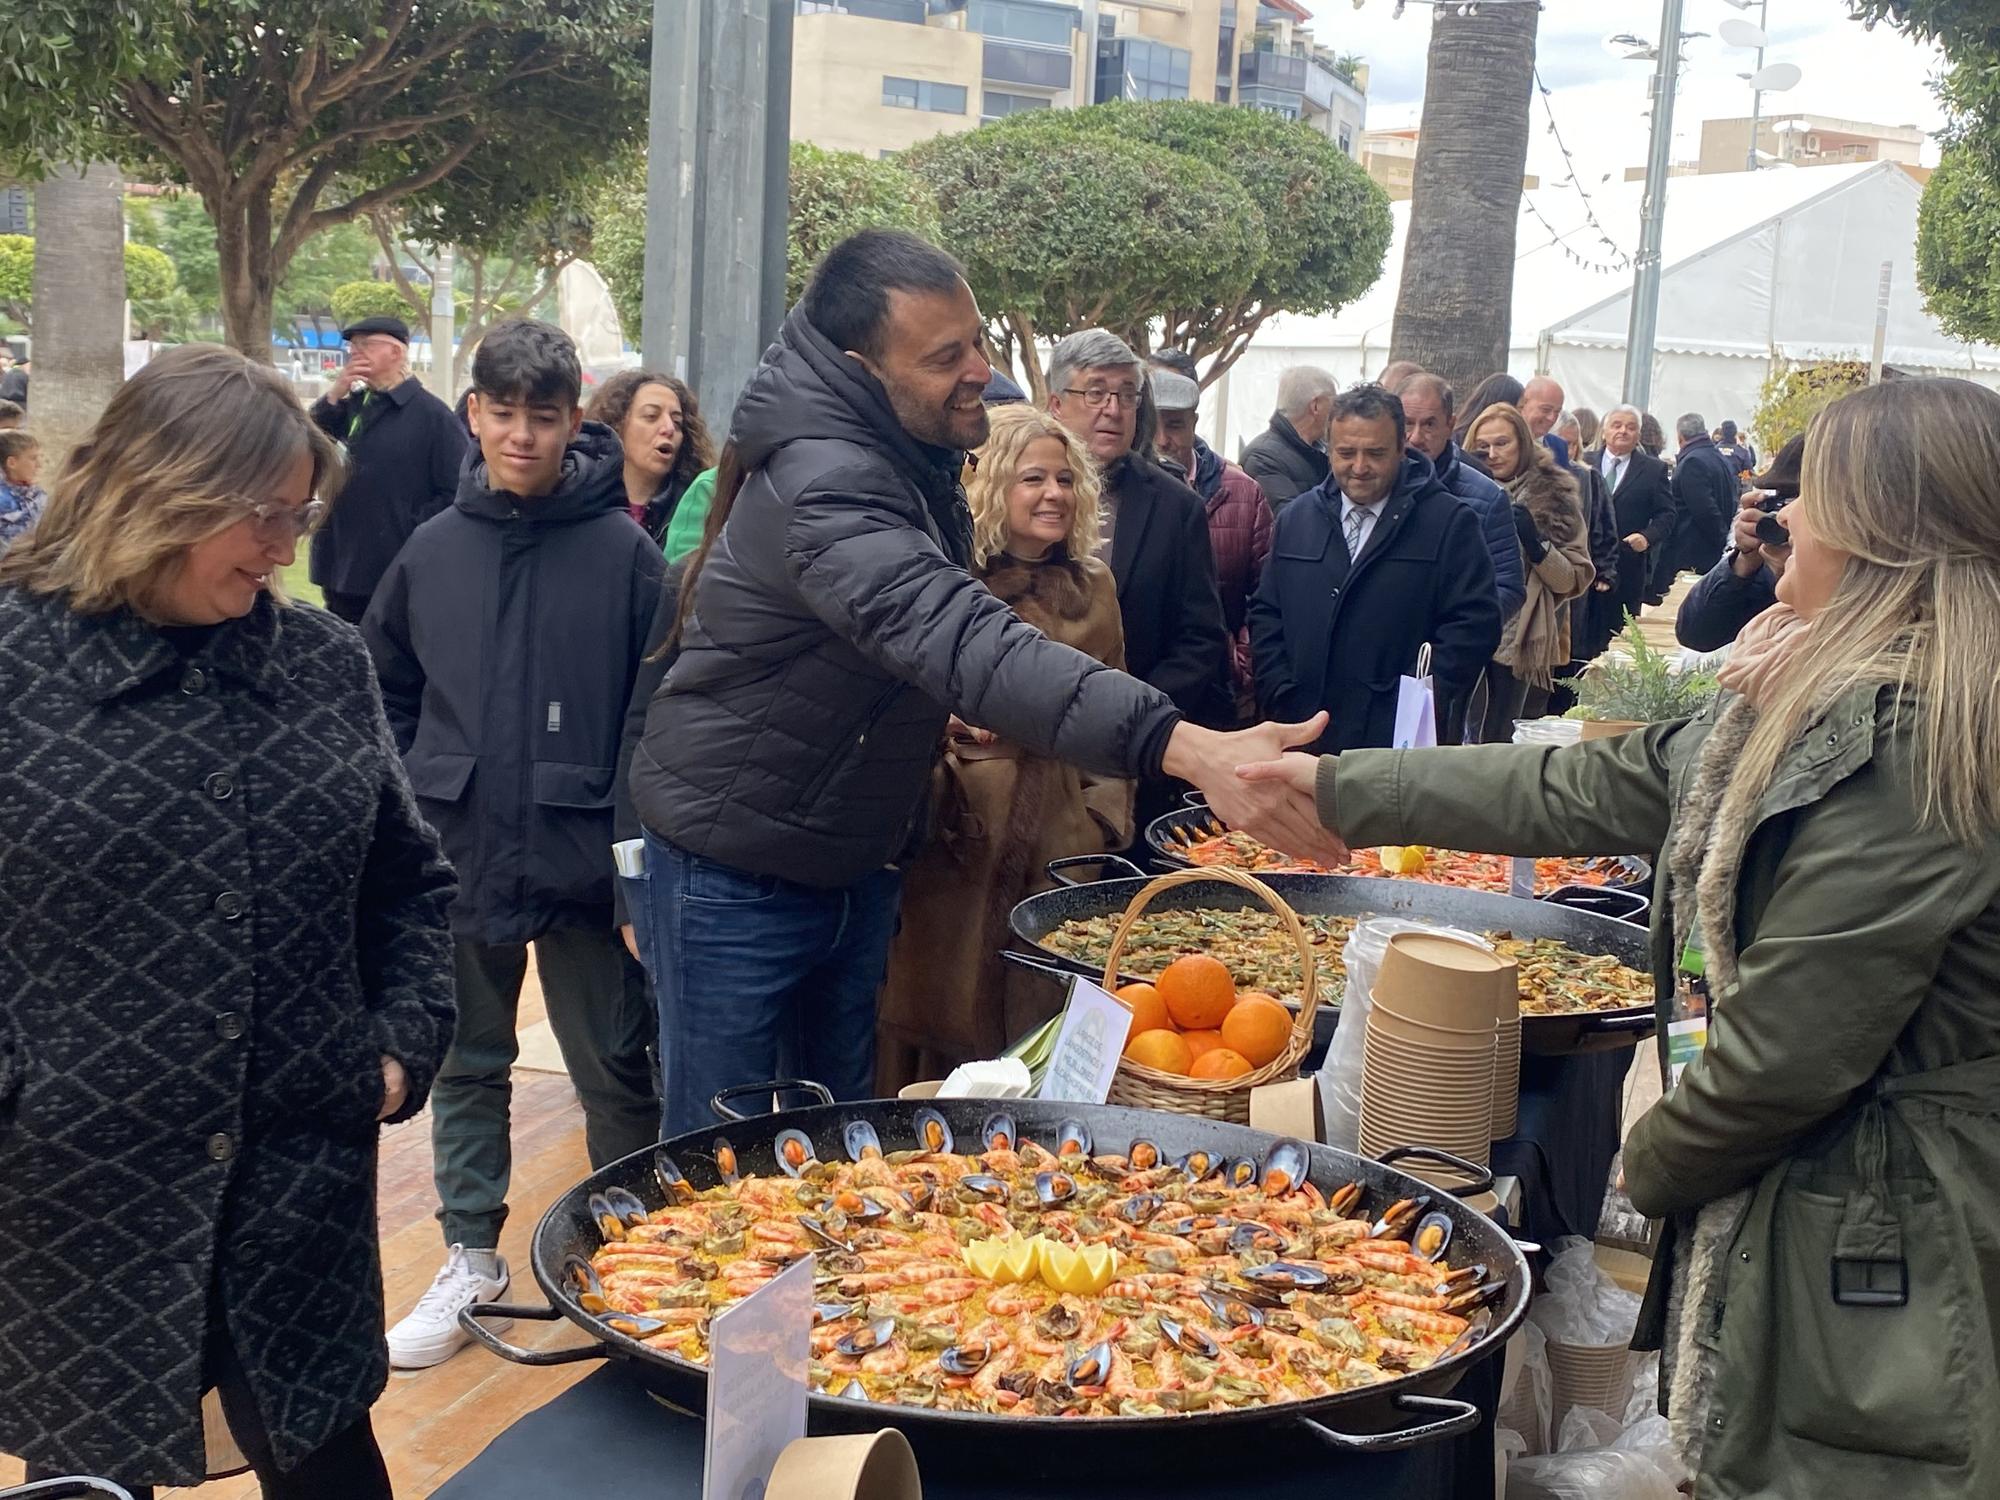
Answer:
(1002, 1276)
(1255, 948)
(1453, 867)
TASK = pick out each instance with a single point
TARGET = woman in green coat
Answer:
(1828, 1166)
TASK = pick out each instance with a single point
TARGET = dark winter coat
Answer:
(1496, 524)
(219, 907)
(1594, 618)
(1644, 504)
(1284, 464)
(1706, 492)
(1239, 537)
(508, 634)
(658, 513)
(834, 626)
(1340, 635)
(1718, 607)
(1175, 638)
(404, 452)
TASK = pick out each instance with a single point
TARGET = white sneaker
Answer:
(430, 1335)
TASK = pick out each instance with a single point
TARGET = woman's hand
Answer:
(395, 1087)
(1299, 772)
(1529, 534)
(1271, 813)
(631, 942)
(957, 729)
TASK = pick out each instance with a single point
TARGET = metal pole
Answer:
(444, 318)
(673, 273)
(1757, 94)
(1881, 323)
(772, 301)
(1646, 266)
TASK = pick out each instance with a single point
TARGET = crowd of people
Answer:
(755, 749)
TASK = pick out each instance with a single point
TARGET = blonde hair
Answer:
(1014, 429)
(180, 447)
(1905, 478)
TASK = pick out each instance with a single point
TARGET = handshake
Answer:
(1254, 785)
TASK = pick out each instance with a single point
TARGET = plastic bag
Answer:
(1597, 1459)
(1339, 1076)
(1527, 1402)
(1579, 1303)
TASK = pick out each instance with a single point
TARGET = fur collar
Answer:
(1550, 495)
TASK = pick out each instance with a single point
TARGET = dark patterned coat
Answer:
(218, 909)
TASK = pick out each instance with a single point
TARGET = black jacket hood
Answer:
(593, 481)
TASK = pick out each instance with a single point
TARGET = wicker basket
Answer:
(1215, 1098)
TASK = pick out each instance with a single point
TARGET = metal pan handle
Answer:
(1192, 798)
(1604, 901)
(1449, 1419)
(1058, 867)
(1482, 1176)
(468, 1319)
(1036, 965)
(723, 1106)
(70, 1487)
(1619, 1025)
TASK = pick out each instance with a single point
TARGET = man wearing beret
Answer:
(404, 448)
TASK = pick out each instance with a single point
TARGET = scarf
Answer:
(1763, 651)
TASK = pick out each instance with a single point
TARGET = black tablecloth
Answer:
(1565, 1137)
(607, 1436)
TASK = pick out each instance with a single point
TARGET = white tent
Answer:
(1757, 271)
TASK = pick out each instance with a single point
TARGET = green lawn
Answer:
(297, 585)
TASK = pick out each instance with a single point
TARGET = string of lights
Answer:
(1619, 261)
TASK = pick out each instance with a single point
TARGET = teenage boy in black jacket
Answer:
(507, 634)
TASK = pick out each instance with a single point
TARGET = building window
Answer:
(921, 93)
(911, 12)
(1135, 68)
(994, 105)
(1347, 139)
(1023, 21)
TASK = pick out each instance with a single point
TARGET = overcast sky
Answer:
(1599, 101)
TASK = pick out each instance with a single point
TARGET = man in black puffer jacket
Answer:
(831, 628)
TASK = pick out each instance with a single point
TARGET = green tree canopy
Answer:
(1174, 222)
(149, 277)
(1793, 396)
(833, 194)
(1958, 246)
(355, 300)
(290, 118)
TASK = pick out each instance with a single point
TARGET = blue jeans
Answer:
(759, 978)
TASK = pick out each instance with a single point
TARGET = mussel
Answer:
(633, 1325)
(1397, 1218)
(1072, 1138)
(1091, 1366)
(1281, 1275)
(1198, 1166)
(582, 1275)
(860, 1139)
(997, 1134)
(1144, 1155)
(1432, 1236)
(1231, 1312)
(1140, 1208)
(965, 1359)
(923, 1196)
(836, 1312)
(1239, 1172)
(1464, 1302)
(838, 1263)
(1189, 1339)
(858, 1207)
(1285, 1168)
(1344, 1200)
(819, 1231)
(1477, 1326)
(614, 1215)
(725, 1161)
(1053, 1189)
(867, 1337)
(794, 1150)
(1059, 1321)
(1250, 1235)
(673, 1182)
(933, 1132)
(982, 1188)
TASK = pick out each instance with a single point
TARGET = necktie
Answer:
(1357, 523)
(1617, 473)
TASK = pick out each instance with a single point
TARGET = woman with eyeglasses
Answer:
(224, 960)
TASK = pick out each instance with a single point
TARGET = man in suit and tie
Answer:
(1642, 499)
(1365, 570)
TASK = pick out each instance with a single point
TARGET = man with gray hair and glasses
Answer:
(1154, 531)
(1642, 502)
(1289, 457)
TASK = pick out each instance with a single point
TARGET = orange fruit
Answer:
(1201, 1041)
(1258, 1027)
(1198, 992)
(1220, 1062)
(1149, 1011)
(1162, 1049)
(1243, 995)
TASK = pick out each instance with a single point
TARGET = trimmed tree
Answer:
(355, 300)
(1455, 305)
(1958, 246)
(149, 277)
(292, 117)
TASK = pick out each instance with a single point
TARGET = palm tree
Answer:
(79, 348)
(1454, 306)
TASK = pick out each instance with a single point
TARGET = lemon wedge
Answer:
(1100, 1266)
(1401, 859)
(1061, 1268)
(983, 1257)
(1019, 1259)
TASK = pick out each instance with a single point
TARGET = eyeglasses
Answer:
(276, 523)
(1097, 397)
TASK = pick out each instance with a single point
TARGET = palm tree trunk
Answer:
(1455, 304)
(79, 349)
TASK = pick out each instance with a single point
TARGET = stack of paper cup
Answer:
(1429, 1058)
(1507, 1052)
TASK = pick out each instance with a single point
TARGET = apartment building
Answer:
(1803, 140)
(877, 76)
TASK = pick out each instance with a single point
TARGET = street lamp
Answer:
(1644, 325)
(1773, 79)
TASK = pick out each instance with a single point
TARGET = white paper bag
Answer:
(1416, 707)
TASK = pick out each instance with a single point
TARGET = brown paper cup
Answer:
(927, 1090)
(1289, 1108)
(1428, 1036)
(1506, 1078)
(1440, 981)
(866, 1466)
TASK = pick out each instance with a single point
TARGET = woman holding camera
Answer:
(1825, 1290)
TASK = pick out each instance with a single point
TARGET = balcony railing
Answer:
(1272, 70)
(1018, 62)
